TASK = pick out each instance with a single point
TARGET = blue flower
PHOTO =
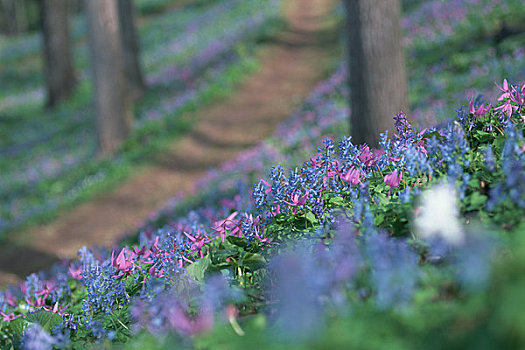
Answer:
(394, 269)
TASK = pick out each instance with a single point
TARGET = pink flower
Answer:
(507, 108)
(393, 179)
(480, 111)
(158, 273)
(269, 189)
(276, 210)
(198, 241)
(9, 317)
(55, 309)
(353, 176)
(123, 262)
(227, 224)
(370, 157)
(143, 252)
(11, 300)
(518, 97)
(314, 162)
(505, 89)
(298, 200)
(76, 273)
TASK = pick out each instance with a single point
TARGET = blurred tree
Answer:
(130, 49)
(112, 105)
(15, 16)
(59, 73)
(378, 83)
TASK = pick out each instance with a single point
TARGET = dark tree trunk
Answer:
(111, 101)
(130, 49)
(59, 73)
(378, 85)
(15, 16)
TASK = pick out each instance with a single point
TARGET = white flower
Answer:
(438, 216)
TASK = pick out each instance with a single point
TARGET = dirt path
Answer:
(291, 65)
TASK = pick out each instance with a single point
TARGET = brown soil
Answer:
(290, 67)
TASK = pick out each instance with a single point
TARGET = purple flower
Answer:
(505, 89)
(393, 178)
(403, 126)
(394, 269)
(353, 176)
(480, 111)
(507, 107)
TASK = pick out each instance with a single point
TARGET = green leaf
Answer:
(198, 269)
(311, 217)
(132, 287)
(254, 261)
(339, 201)
(475, 201)
(428, 135)
(237, 241)
(224, 253)
(47, 319)
(18, 326)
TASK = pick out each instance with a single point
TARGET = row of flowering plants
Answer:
(357, 241)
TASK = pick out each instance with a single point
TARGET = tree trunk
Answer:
(15, 16)
(60, 76)
(378, 85)
(130, 49)
(111, 101)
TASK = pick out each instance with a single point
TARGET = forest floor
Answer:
(291, 65)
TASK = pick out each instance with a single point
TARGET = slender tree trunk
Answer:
(21, 16)
(60, 76)
(130, 49)
(15, 16)
(111, 101)
(378, 85)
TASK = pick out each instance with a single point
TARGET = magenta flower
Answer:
(480, 111)
(198, 240)
(155, 272)
(227, 224)
(507, 108)
(518, 97)
(56, 309)
(276, 210)
(353, 176)
(76, 273)
(11, 300)
(123, 262)
(9, 317)
(143, 252)
(298, 200)
(315, 162)
(269, 189)
(505, 89)
(370, 157)
(393, 178)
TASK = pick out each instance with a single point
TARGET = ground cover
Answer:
(295, 232)
(49, 162)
